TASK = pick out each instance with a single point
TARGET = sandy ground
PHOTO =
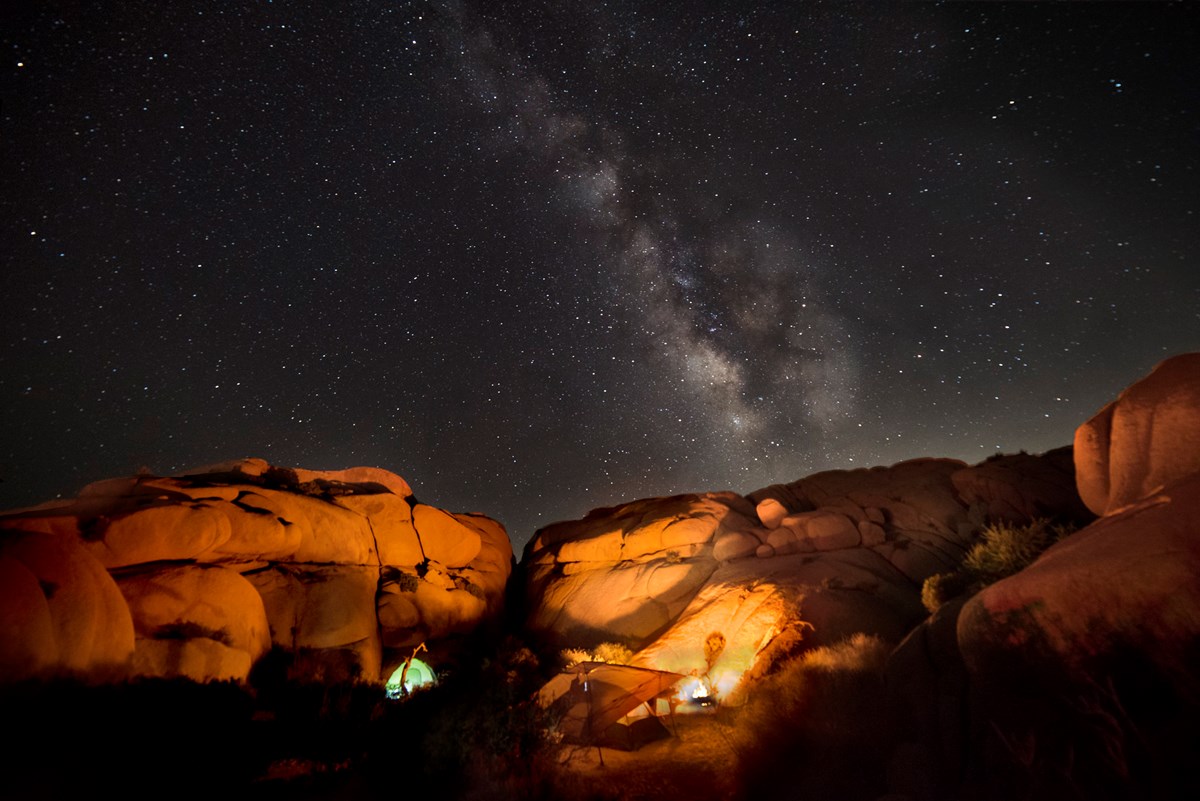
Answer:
(697, 764)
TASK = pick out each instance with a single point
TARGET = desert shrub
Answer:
(612, 652)
(573, 656)
(404, 582)
(1006, 549)
(860, 653)
(1002, 550)
(189, 630)
(943, 587)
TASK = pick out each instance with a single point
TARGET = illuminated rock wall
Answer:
(200, 575)
(825, 557)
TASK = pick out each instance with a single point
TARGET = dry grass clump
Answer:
(858, 654)
(1007, 549)
(614, 653)
(822, 715)
(573, 656)
(943, 587)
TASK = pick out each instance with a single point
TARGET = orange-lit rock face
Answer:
(60, 610)
(1127, 584)
(843, 551)
(391, 524)
(626, 573)
(747, 621)
(1147, 438)
(1119, 597)
(312, 561)
(199, 602)
(449, 541)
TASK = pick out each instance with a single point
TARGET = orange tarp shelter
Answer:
(599, 703)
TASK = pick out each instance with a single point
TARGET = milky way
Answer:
(542, 257)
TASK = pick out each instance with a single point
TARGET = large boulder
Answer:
(391, 519)
(219, 564)
(746, 604)
(928, 683)
(925, 524)
(1127, 584)
(60, 610)
(444, 538)
(196, 603)
(1146, 438)
(324, 608)
(626, 572)
(492, 565)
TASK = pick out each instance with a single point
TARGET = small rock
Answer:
(831, 531)
(771, 512)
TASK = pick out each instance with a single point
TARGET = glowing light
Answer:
(695, 690)
(726, 683)
(722, 639)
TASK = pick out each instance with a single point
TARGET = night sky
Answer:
(542, 257)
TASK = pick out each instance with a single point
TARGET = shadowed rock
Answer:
(1086, 658)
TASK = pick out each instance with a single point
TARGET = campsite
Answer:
(849, 635)
(617, 706)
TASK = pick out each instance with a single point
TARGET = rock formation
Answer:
(200, 575)
(1146, 438)
(1129, 583)
(1078, 671)
(840, 552)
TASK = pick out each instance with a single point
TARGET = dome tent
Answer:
(401, 683)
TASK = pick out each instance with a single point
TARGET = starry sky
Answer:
(538, 257)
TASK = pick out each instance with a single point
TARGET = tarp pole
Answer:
(587, 689)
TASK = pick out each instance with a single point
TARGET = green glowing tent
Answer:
(419, 675)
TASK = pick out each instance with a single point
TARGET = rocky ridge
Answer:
(843, 551)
